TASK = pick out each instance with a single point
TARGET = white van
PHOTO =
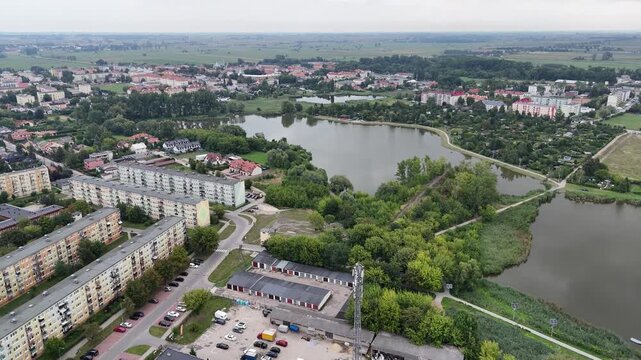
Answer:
(220, 315)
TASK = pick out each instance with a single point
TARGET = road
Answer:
(197, 279)
(571, 348)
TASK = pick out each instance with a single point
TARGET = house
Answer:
(138, 148)
(49, 147)
(5, 131)
(267, 262)
(244, 168)
(24, 99)
(92, 164)
(214, 159)
(493, 104)
(21, 134)
(84, 89)
(151, 140)
(104, 155)
(181, 146)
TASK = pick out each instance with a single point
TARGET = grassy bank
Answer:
(519, 343)
(138, 350)
(197, 322)
(536, 314)
(236, 260)
(589, 194)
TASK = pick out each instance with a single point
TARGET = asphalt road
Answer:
(197, 279)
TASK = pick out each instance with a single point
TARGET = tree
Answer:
(423, 275)
(339, 183)
(195, 299)
(4, 196)
(317, 220)
(219, 210)
(490, 350)
(202, 240)
(128, 305)
(89, 251)
(91, 330)
(137, 292)
(287, 107)
(67, 76)
(54, 348)
(389, 312)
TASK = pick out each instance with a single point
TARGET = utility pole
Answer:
(358, 297)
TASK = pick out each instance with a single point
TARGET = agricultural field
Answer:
(625, 158)
(628, 121)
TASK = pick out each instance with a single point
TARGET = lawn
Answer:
(128, 224)
(588, 193)
(114, 88)
(264, 105)
(536, 314)
(197, 322)
(629, 121)
(102, 335)
(259, 157)
(157, 331)
(625, 158)
(263, 221)
(236, 260)
(138, 350)
(228, 231)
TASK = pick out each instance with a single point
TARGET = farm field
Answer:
(624, 159)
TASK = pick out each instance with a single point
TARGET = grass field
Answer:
(625, 158)
(629, 121)
(228, 231)
(197, 322)
(236, 260)
(138, 350)
(537, 314)
(259, 157)
(157, 331)
(263, 221)
(590, 193)
(264, 105)
(115, 88)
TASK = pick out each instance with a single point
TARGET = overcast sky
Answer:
(317, 15)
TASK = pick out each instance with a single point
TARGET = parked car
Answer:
(282, 342)
(120, 329)
(126, 324)
(260, 344)
(167, 289)
(275, 349)
(181, 308)
(241, 325)
(237, 330)
(220, 321)
(193, 266)
(139, 313)
(184, 273)
(134, 317)
(86, 357)
(174, 284)
(222, 346)
(93, 352)
(266, 312)
(230, 337)
(169, 318)
(154, 301)
(272, 354)
(164, 323)
(179, 279)
(173, 313)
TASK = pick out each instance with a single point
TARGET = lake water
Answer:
(337, 99)
(585, 258)
(368, 155)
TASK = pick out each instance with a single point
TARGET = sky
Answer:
(318, 15)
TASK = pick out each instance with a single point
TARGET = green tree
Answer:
(203, 240)
(166, 269)
(128, 305)
(195, 299)
(422, 274)
(91, 330)
(340, 183)
(317, 220)
(287, 107)
(138, 292)
(389, 312)
(490, 350)
(54, 348)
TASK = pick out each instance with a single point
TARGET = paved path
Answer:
(530, 330)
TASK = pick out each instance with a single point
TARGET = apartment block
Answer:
(35, 262)
(24, 182)
(156, 204)
(217, 190)
(71, 302)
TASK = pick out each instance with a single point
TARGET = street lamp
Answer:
(553, 323)
(515, 306)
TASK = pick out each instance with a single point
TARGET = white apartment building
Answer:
(35, 262)
(217, 190)
(156, 204)
(24, 182)
(618, 97)
(24, 99)
(71, 302)
(54, 93)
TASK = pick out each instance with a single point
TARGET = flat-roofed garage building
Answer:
(288, 292)
(267, 262)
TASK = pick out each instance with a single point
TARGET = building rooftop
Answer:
(13, 214)
(265, 258)
(200, 177)
(172, 354)
(77, 280)
(401, 347)
(34, 246)
(25, 170)
(138, 190)
(277, 287)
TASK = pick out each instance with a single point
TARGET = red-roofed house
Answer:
(21, 134)
(214, 159)
(144, 136)
(245, 168)
(91, 164)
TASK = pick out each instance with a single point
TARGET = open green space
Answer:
(100, 337)
(259, 157)
(236, 260)
(591, 194)
(519, 343)
(179, 167)
(227, 231)
(265, 105)
(198, 321)
(138, 349)
(625, 159)
(157, 331)
(129, 224)
(264, 220)
(536, 314)
(627, 120)
(114, 88)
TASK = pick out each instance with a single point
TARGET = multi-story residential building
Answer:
(24, 99)
(526, 106)
(550, 100)
(618, 97)
(35, 262)
(53, 93)
(154, 203)
(70, 303)
(215, 189)
(24, 182)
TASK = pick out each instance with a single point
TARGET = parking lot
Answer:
(297, 348)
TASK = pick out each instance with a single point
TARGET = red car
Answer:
(281, 342)
(120, 329)
(259, 336)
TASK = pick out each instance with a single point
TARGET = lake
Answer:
(368, 155)
(585, 258)
(337, 99)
